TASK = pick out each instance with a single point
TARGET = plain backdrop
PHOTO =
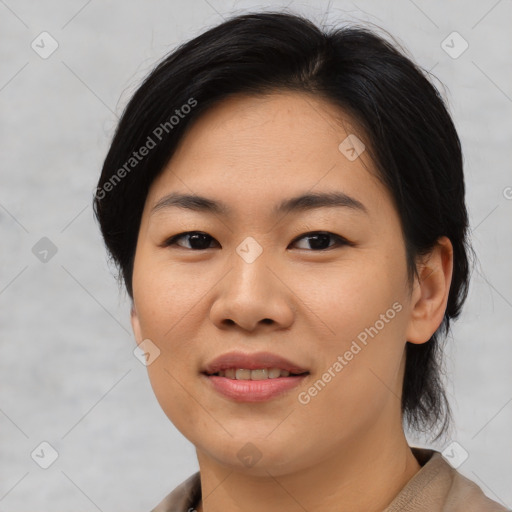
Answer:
(68, 373)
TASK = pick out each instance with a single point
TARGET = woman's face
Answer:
(259, 279)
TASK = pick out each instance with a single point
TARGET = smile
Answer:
(255, 377)
(257, 374)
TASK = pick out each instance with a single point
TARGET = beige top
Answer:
(436, 487)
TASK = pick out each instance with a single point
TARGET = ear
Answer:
(134, 319)
(430, 292)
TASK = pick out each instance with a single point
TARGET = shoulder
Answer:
(183, 498)
(441, 488)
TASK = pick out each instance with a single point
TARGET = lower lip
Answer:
(253, 390)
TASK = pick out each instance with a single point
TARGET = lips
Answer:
(255, 377)
(257, 361)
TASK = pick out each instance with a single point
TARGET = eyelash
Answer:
(340, 241)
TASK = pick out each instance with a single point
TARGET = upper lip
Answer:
(251, 362)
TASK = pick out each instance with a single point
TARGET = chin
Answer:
(255, 457)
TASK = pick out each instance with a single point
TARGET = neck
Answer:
(363, 476)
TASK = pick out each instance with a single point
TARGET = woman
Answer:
(286, 208)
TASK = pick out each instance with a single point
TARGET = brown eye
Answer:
(320, 240)
(197, 240)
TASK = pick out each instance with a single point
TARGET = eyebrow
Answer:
(304, 202)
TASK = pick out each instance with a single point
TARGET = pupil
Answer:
(203, 241)
(318, 241)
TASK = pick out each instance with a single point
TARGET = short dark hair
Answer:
(413, 143)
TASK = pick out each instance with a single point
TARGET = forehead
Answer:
(283, 125)
(257, 149)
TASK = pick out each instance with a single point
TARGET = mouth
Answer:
(252, 377)
(256, 374)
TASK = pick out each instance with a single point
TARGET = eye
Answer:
(197, 240)
(319, 240)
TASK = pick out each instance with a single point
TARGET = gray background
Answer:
(68, 373)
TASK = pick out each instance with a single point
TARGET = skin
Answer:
(346, 448)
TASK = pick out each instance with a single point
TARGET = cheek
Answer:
(167, 298)
(352, 295)
(358, 374)
(361, 312)
(169, 313)
(171, 389)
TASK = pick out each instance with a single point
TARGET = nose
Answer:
(251, 296)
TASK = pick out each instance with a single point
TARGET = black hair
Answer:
(414, 146)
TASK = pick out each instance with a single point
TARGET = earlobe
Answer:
(431, 291)
(134, 319)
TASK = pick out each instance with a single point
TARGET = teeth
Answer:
(254, 374)
(230, 373)
(259, 374)
(274, 373)
(243, 374)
